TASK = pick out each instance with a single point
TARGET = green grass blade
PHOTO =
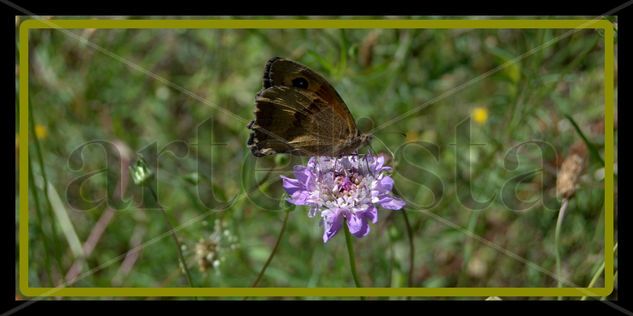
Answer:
(64, 222)
(592, 148)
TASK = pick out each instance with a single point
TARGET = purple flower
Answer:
(345, 189)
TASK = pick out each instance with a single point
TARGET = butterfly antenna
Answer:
(386, 147)
(399, 133)
(370, 150)
(404, 135)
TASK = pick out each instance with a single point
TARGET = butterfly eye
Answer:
(300, 83)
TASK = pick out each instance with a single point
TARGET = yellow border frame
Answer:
(605, 25)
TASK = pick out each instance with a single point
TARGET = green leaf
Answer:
(592, 148)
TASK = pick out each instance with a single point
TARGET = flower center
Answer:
(347, 185)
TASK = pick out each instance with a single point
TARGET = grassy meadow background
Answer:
(189, 94)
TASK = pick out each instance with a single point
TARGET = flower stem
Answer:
(559, 224)
(350, 252)
(274, 251)
(172, 231)
(411, 247)
(409, 229)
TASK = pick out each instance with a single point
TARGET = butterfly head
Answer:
(365, 139)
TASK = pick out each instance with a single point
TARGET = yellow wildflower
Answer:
(480, 115)
(40, 131)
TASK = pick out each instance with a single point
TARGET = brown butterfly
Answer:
(300, 113)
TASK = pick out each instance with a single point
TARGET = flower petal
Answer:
(296, 190)
(332, 223)
(371, 214)
(391, 202)
(300, 198)
(303, 174)
(384, 185)
(291, 185)
(358, 225)
(379, 161)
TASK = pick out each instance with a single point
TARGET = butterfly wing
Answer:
(295, 121)
(285, 72)
(299, 112)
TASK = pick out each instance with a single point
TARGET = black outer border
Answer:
(214, 8)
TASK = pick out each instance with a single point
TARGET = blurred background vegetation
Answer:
(188, 95)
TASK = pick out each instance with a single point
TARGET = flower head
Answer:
(211, 251)
(480, 115)
(345, 189)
